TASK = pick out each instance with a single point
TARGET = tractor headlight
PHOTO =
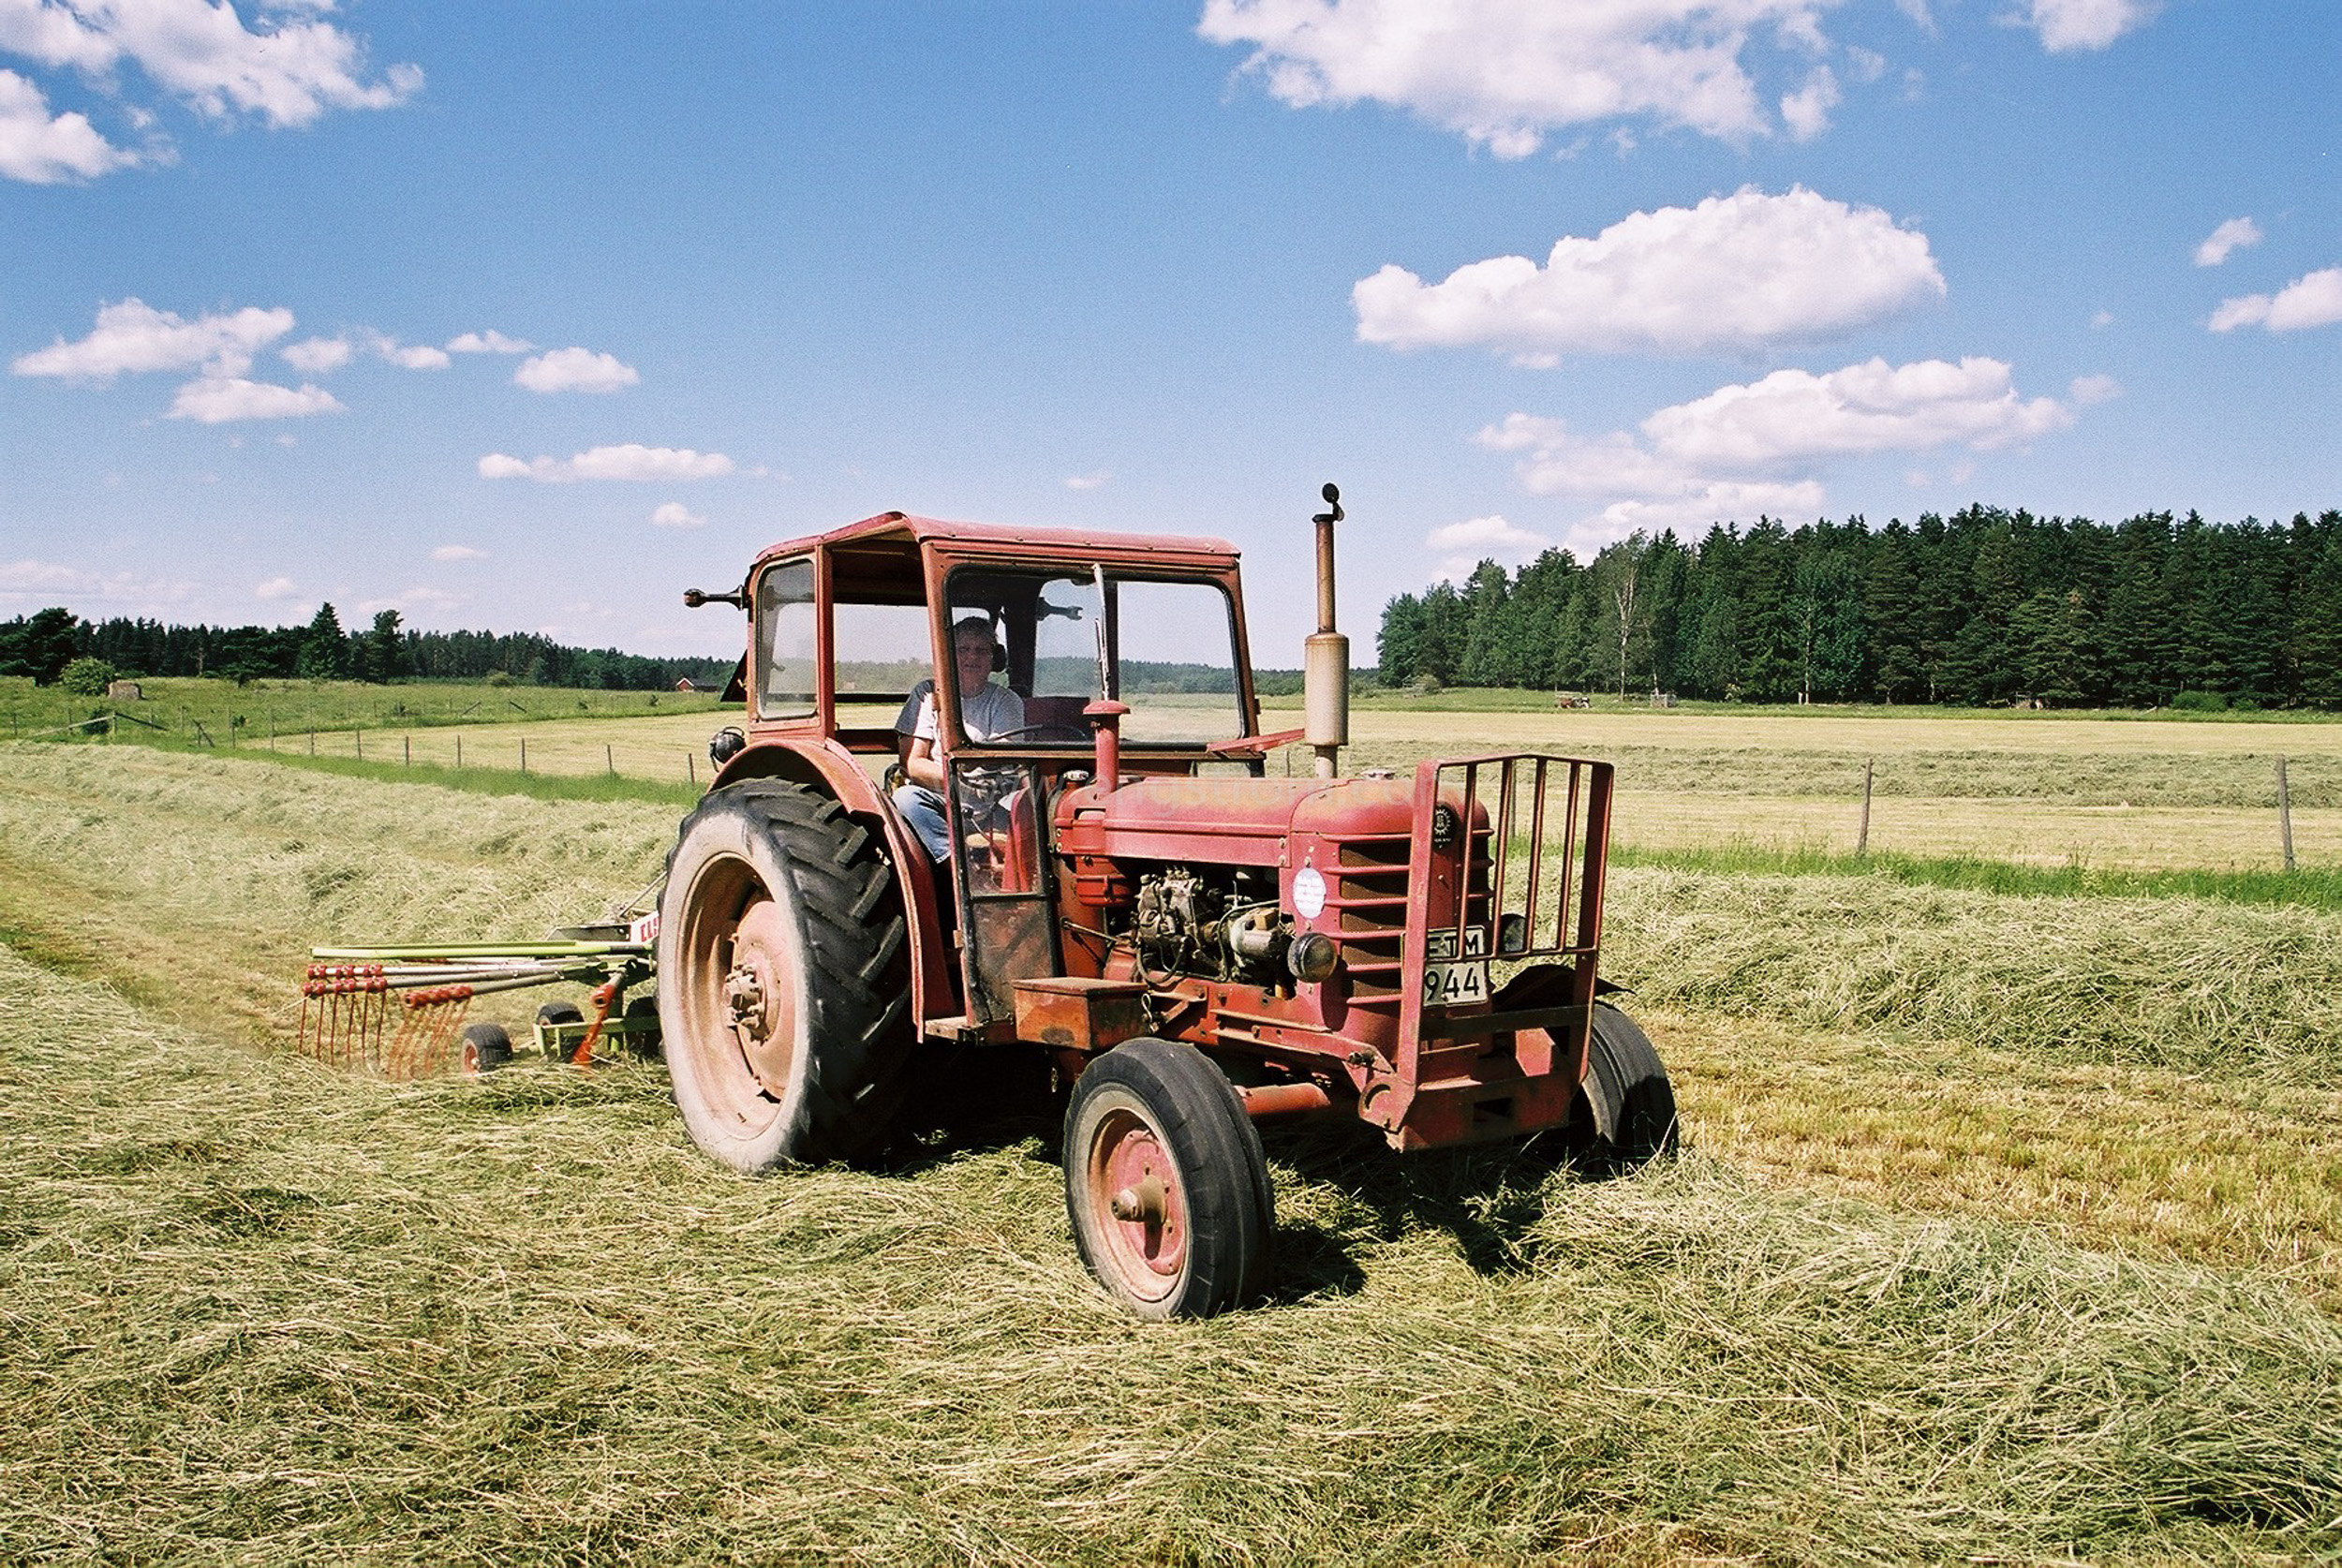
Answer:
(1313, 956)
(1512, 934)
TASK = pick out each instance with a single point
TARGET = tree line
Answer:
(1982, 607)
(42, 645)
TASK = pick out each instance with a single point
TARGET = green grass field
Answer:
(202, 712)
(2009, 1228)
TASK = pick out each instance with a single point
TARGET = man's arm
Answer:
(915, 738)
(921, 765)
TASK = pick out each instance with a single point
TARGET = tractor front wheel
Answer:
(1165, 1183)
(784, 979)
(1626, 1112)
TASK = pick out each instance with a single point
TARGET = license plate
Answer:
(1450, 979)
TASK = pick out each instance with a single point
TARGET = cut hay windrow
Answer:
(2199, 986)
(256, 1311)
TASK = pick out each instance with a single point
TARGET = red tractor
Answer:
(1123, 887)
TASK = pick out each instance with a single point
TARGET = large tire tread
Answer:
(856, 939)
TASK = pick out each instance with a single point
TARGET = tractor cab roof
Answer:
(895, 531)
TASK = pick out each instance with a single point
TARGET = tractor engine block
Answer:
(1222, 925)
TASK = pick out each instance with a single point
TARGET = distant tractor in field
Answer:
(1190, 943)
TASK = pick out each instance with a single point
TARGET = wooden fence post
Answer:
(607, 761)
(524, 754)
(2285, 815)
(1862, 835)
(407, 743)
(691, 769)
(459, 752)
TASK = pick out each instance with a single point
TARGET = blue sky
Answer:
(1513, 275)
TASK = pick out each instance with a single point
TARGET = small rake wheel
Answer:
(1165, 1183)
(485, 1047)
(559, 1012)
(784, 979)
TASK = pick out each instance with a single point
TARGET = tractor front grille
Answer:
(1528, 871)
(1366, 902)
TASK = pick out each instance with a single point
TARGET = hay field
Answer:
(2038, 790)
(2029, 1270)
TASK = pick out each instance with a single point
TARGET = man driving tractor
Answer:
(987, 712)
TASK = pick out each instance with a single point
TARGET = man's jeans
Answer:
(922, 811)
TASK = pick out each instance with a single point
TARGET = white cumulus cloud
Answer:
(418, 356)
(2236, 235)
(674, 514)
(489, 342)
(2087, 389)
(458, 553)
(42, 149)
(133, 337)
(1870, 406)
(629, 462)
(1746, 449)
(1090, 481)
(31, 576)
(1735, 274)
(1807, 111)
(289, 72)
(1461, 546)
(314, 356)
(275, 587)
(1505, 73)
(224, 399)
(411, 599)
(2313, 299)
(574, 370)
(47, 582)
(2070, 25)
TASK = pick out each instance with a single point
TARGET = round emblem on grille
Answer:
(1446, 825)
(1309, 891)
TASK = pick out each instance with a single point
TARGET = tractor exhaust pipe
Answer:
(1326, 657)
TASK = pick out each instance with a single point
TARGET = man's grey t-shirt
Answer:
(991, 712)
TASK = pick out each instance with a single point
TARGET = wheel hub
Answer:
(1131, 1170)
(744, 995)
(1142, 1204)
(756, 997)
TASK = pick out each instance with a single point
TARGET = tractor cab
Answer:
(1133, 642)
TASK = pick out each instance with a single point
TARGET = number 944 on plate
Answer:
(1454, 975)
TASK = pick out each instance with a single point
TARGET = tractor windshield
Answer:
(1163, 647)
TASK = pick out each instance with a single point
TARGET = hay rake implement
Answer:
(399, 1010)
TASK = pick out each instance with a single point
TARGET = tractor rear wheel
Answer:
(784, 979)
(1165, 1183)
(1625, 1113)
